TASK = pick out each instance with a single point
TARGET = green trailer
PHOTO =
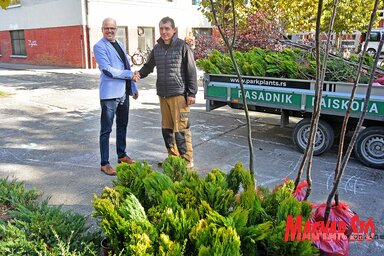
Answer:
(294, 97)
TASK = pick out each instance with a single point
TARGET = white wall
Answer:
(42, 14)
(143, 13)
(35, 14)
(131, 13)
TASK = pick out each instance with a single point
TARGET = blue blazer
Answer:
(113, 75)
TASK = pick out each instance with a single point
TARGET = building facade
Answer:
(63, 32)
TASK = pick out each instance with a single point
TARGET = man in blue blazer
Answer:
(116, 84)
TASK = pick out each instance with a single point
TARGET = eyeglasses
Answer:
(112, 29)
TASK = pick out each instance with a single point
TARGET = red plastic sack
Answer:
(380, 80)
(341, 212)
(300, 191)
(332, 247)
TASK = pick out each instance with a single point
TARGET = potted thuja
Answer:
(105, 247)
(124, 222)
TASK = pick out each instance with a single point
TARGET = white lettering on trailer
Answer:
(374, 108)
(254, 94)
(355, 106)
(261, 97)
(342, 104)
(267, 96)
(336, 104)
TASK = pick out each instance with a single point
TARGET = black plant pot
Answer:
(106, 249)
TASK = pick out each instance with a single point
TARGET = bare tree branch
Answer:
(342, 161)
(230, 49)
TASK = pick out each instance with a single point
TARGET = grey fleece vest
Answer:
(170, 69)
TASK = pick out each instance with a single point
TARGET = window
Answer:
(18, 43)
(196, 2)
(121, 35)
(146, 37)
(197, 32)
(374, 37)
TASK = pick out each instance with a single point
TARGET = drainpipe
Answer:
(82, 47)
(85, 39)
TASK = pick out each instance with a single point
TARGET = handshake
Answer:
(136, 76)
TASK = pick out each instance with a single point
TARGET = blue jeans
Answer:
(110, 108)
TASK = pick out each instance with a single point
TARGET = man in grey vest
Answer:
(176, 87)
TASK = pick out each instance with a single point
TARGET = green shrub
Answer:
(167, 247)
(251, 201)
(14, 241)
(155, 183)
(294, 64)
(31, 227)
(239, 178)
(189, 215)
(131, 176)
(124, 221)
(38, 220)
(175, 168)
(13, 193)
(339, 70)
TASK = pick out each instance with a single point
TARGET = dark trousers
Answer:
(110, 108)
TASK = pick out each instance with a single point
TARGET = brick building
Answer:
(62, 32)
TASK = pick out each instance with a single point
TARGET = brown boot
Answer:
(107, 169)
(126, 159)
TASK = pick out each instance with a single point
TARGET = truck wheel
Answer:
(369, 147)
(324, 136)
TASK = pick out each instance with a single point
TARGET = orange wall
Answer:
(61, 46)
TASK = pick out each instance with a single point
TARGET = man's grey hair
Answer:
(108, 19)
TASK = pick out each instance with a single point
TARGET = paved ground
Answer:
(49, 139)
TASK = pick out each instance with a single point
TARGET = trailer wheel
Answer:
(369, 147)
(324, 136)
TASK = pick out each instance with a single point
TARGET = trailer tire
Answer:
(324, 136)
(369, 147)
